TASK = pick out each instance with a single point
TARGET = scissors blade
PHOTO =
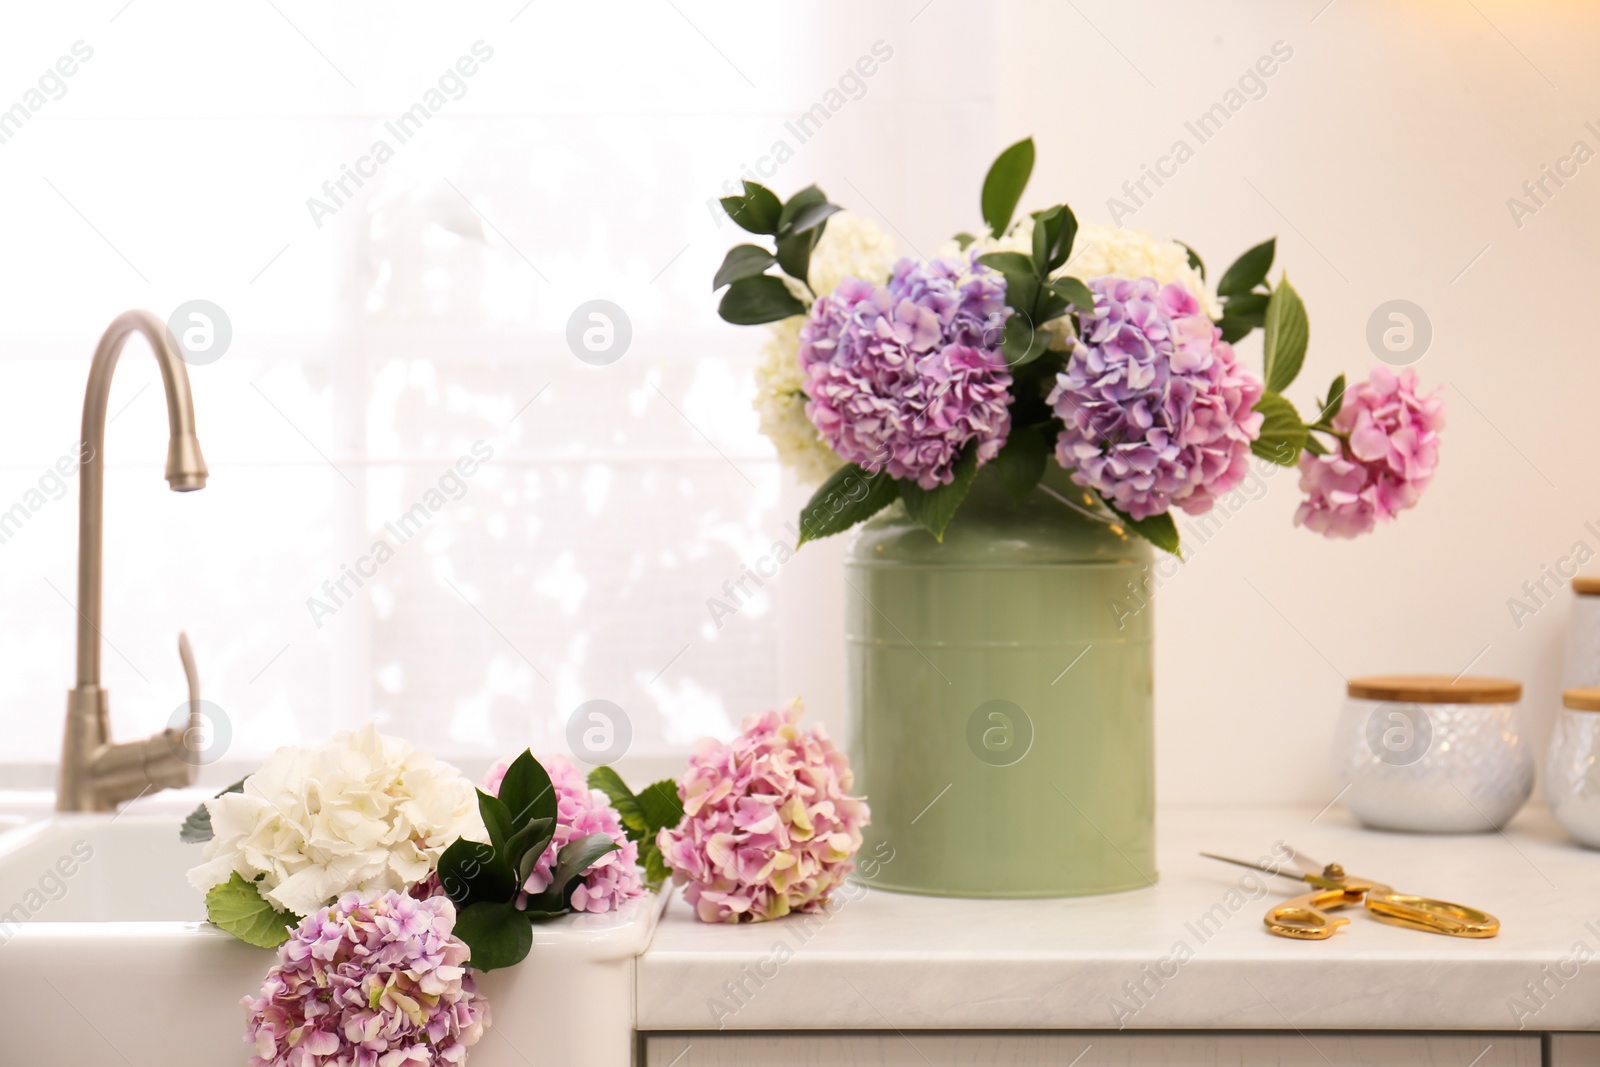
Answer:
(1253, 866)
(1304, 862)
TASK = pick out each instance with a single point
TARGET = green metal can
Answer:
(1001, 698)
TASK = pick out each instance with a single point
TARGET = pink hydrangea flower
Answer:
(1155, 410)
(1391, 451)
(580, 811)
(369, 981)
(769, 826)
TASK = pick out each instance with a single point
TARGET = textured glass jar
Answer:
(1572, 775)
(1001, 698)
(1432, 754)
(1580, 665)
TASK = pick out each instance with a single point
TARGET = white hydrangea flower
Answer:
(1019, 238)
(781, 405)
(363, 812)
(1100, 250)
(851, 246)
(1137, 253)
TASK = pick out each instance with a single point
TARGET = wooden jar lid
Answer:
(1436, 689)
(1586, 585)
(1581, 699)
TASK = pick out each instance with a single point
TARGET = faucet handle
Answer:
(186, 743)
(120, 772)
(192, 675)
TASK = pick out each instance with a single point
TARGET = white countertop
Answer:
(1151, 959)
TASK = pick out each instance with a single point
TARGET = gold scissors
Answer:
(1306, 917)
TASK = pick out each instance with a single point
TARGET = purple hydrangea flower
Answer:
(902, 377)
(369, 980)
(580, 811)
(1155, 408)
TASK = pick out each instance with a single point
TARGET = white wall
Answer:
(1382, 155)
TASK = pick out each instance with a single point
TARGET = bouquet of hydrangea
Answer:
(1106, 350)
(367, 813)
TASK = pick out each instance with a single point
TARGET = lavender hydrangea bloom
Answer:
(369, 980)
(1156, 410)
(903, 377)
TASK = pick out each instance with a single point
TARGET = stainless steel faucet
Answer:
(96, 773)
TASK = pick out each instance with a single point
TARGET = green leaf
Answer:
(1335, 402)
(934, 508)
(527, 792)
(850, 495)
(1009, 263)
(1159, 530)
(1314, 446)
(1022, 281)
(1003, 185)
(656, 870)
(660, 806)
(1054, 230)
(496, 819)
(498, 934)
(529, 859)
(750, 301)
(574, 858)
(794, 253)
(1247, 305)
(798, 204)
(964, 240)
(1021, 343)
(1241, 314)
(1283, 435)
(238, 907)
(1021, 462)
(757, 210)
(806, 210)
(1248, 271)
(1287, 334)
(524, 847)
(656, 807)
(471, 871)
(196, 828)
(1194, 261)
(1074, 292)
(742, 261)
(1235, 328)
(609, 782)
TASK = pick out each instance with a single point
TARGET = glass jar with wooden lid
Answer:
(1580, 665)
(1572, 774)
(1431, 753)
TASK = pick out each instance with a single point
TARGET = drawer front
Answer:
(923, 1049)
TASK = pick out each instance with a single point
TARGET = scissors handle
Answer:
(1306, 918)
(1425, 913)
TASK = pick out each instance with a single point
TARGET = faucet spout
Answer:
(96, 775)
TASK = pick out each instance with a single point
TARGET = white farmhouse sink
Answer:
(105, 960)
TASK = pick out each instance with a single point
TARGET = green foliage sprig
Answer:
(753, 295)
(484, 879)
(644, 815)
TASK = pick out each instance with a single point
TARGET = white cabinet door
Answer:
(1312, 1049)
